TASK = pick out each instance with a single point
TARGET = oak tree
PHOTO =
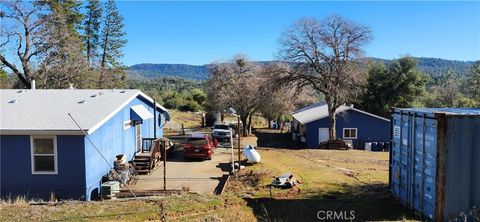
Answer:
(326, 54)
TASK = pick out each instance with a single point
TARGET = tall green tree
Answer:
(112, 36)
(199, 96)
(91, 26)
(70, 10)
(64, 62)
(397, 85)
(448, 91)
(474, 80)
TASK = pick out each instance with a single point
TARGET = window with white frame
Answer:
(44, 154)
(350, 133)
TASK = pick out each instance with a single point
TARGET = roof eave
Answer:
(138, 93)
(40, 132)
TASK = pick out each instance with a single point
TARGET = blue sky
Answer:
(204, 32)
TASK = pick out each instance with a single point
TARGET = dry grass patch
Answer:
(188, 119)
(176, 208)
(329, 180)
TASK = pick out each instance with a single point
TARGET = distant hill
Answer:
(431, 66)
(148, 70)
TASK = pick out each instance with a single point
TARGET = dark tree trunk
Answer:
(331, 119)
(104, 54)
(244, 125)
(331, 126)
(22, 77)
(249, 127)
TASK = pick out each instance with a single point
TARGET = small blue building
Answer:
(43, 151)
(354, 126)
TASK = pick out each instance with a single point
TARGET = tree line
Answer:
(400, 84)
(59, 43)
(174, 92)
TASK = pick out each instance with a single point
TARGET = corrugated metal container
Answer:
(435, 160)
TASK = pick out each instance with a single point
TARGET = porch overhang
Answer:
(140, 113)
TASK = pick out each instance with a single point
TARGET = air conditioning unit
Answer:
(110, 189)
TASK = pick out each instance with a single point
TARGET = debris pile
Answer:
(285, 181)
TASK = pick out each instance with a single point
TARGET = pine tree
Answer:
(112, 36)
(64, 62)
(70, 10)
(91, 26)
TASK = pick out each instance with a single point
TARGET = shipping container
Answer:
(435, 160)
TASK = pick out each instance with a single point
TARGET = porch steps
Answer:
(143, 164)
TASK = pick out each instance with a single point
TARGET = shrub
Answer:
(190, 106)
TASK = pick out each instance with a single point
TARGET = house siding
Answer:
(369, 128)
(112, 140)
(16, 176)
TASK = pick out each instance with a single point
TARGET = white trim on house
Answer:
(118, 109)
(104, 120)
(373, 115)
(351, 138)
(138, 137)
(55, 155)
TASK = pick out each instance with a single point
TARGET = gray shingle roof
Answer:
(320, 110)
(47, 110)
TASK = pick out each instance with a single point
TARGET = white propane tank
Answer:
(251, 154)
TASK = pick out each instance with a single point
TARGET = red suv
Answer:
(199, 146)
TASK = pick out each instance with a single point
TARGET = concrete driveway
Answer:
(200, 176)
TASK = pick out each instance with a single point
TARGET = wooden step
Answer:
(143, 171)
(142, 163)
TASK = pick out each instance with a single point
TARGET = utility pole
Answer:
(154, 119)
(164, 164)
(238, 126)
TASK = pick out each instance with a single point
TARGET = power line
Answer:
(103, 157)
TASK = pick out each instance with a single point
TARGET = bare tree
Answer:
(282, 100)
(27, 35)
(326, 53)
(239, 85)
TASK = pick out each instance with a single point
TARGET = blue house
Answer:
(43, 151)
(354, 126)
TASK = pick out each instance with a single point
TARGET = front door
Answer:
(138, 137)
(323, 135)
